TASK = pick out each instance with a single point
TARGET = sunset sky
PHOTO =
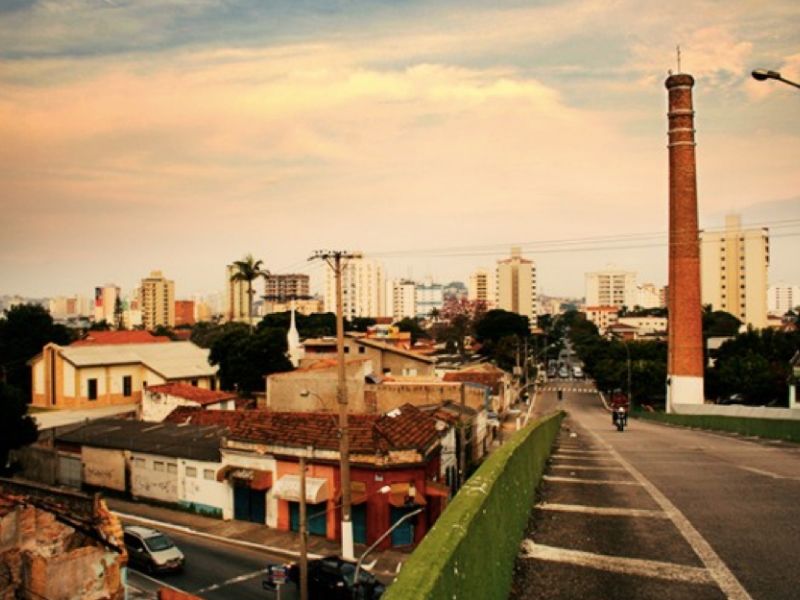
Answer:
(181, 134)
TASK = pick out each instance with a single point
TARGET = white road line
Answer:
(617, 564)
(767, 473)
(594, 481)
(231, 581)
(570, 452)
(603, 510)
(725, 579)
(585, 468)
(158, 582)
(593, 458)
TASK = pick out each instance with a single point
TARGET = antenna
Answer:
(678, 50)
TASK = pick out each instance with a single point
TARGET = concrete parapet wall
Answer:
(777, 429)
(470, 551)
(735, 410)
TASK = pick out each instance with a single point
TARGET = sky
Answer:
(181, 135)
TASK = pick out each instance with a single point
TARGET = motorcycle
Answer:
(620, 418)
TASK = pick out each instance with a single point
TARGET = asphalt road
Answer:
(660, 512)
(214, 570)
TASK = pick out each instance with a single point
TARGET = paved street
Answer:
(659, 512)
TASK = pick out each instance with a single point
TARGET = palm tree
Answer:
(249, 269)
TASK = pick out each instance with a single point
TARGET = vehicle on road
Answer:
(563, 373)
(151, 551)
(619, 405)
(577, 372)
(330, 578)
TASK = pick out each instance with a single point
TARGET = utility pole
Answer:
(335, 259)
(303, 532)
(462, 451)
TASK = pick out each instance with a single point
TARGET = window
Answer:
(194, 382)
(158, 465)
(208, 474)
(92, 391)
(172, 468)
(347, 349)
(361, 350)
(213, 384)
(191, 471)
(127, 383)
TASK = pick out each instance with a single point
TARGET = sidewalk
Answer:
(284, 543)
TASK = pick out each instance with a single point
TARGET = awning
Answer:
(434, 488)
(404, 494)
(358, 493)
(255, 478)
(288, 488)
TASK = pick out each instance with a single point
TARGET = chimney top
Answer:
(679, 79)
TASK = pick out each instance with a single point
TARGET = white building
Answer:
(516, 286)
(363, 288)
(62, 307)
(781, 298)
(481, 287)
(158, 401)
(429, 296)
(648, 295)
(236, 302)
(401, 295)
(733, 271)
(611, 287)
(105, 303)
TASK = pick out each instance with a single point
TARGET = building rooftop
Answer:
(100, 338)
(197, 442)
(190, 392)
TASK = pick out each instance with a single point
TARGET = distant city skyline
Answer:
(181, 136)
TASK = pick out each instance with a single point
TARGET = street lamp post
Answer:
(763, 75)
(374, 545)
(628, 361)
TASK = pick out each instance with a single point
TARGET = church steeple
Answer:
(293, 341)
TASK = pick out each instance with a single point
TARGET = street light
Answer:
(361, 558)
(763, 75)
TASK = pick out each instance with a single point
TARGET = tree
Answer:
(249, 269)
(718, 323)
(245, 357)
(413, 327)
(308, 326)
(17, 428)
(459, 316)
(497, 324)
(360, 324)
(100, 326)
(23, 333)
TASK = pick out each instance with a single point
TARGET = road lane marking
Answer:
(585, 468)
(767, 473)
(592, 458)
(231, 581)
(136, 573)
(587, 453)
(617, 564)
(596, 481)
(603, 510)
(723, 576)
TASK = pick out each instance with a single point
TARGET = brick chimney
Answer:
(685, 363)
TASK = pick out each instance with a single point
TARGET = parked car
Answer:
(329, 578)
(563, 373)
(151, 551)
(577, 372)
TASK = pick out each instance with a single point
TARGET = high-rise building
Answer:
(283, 287)
(184, 312)
(363, 288)
(611, 287)
(734, 271)
(429, 296)
(781, 298)
(648, 295)
(157, 301)
(62, 307)
(401, 295)
(236, 301)
(482, 288)
(516, 285)
(106, 299)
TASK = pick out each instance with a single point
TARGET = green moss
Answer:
(776, 429)
(470, 551)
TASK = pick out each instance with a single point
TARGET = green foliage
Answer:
(498, 324)
(776, 429)
(458, 318)
(454, 559)
(245, 358)
(163, 330)
(719, 323)
(23, 333)
(360, 324)
(312, 326)
(413, 327)
(100, 326)
(248, 270)
(17, 428)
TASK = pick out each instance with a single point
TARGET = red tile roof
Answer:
(190, 392)
(404, 428)
(102, 338)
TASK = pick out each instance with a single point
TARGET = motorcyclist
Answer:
(619, 407)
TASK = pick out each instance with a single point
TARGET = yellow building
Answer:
(102, 375)
(157, 301)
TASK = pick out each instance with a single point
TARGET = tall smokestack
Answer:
(685, 365)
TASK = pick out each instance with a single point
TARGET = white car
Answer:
(577, 372)
(151, 551)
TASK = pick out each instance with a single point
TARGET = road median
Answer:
(775, 429)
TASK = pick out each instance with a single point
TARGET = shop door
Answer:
(359, 515)
(249, 505)
(404, 534)
(317, 524)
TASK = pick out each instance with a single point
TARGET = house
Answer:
(59, 545)
(495, 379)
(166, 462)
(396, 453)
(105, 338)
(602, 316)
(387, 358)
(160, 400)
(620, 331)
(95, 374)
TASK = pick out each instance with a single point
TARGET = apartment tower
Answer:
(611, 288)
(734, 271)
(236, 304)
(481, 288)
(363, 289)
(516, 285)
(685, 334)
(157, 301)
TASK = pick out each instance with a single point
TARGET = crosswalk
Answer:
(574, 389)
